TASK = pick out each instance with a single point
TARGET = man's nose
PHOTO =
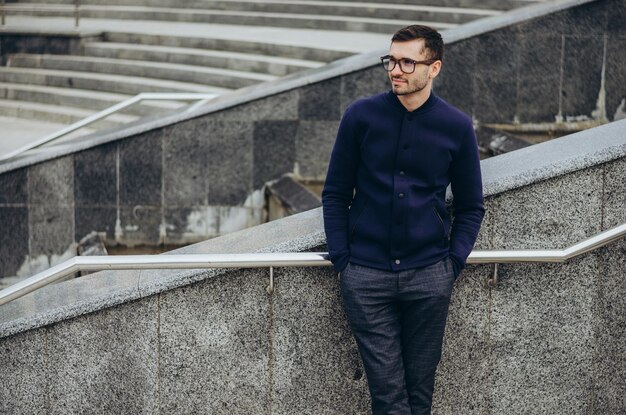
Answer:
(396, 71)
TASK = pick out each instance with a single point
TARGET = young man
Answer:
(387, 227)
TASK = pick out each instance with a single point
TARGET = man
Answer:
(388, 231)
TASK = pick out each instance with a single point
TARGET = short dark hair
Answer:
(432, 39)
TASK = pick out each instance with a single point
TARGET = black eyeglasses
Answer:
(406, 65)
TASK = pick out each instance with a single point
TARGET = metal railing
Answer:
(271, 260)
(75, 10)
(144, 96)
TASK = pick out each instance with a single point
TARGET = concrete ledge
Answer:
(101, 290)
(554, 158)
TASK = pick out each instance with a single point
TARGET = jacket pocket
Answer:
(444, 236)
(356, 221)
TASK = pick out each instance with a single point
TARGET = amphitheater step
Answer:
(290, 20)
(182, 73)
(57, 114)
(292, 5)
(130, 85)
(230, 45)
(207, 58)
(80, 98)
(334, 8)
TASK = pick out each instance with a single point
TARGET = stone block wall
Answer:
(548, 339)
(201, 177)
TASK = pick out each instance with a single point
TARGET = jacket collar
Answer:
(426, 106)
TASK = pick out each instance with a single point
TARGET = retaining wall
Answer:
(548, 339)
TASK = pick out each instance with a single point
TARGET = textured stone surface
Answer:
(498, 52)
(13, 239)
(552, 214)
(99, 219)
(455, 83)
(87, 353)
(282, 106)
(64, 300)
(140, 171)
(230, 162)
(274, 150)
(51, 230)
(363, 83)
(51, 211)
(185, 178)
(461, 384)
(14, 187)
(52, 183)
(316, 103)
(616, 15)
(610, 331)
(95, 176)
(538, 82)
(214, 348)
(309, 376)
(541, 338)
(23, 370)
(314, 143)
(582, 74)
(588, 20)
(614, 211)
(615, 74)
(496, 98)
(140, 225)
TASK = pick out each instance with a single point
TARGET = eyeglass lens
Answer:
(406, 65)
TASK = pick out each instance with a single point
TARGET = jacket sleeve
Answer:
(338, 191)
(467, 191)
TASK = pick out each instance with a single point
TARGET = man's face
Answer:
(409, 83)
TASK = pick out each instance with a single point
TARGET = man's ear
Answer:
(434, 69)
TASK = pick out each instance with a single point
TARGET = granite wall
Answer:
(201, 177)
(61, 43)
(548, 339)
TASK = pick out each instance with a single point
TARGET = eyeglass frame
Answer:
(397, 62)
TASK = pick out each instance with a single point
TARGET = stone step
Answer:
(290, 20)
(379, 10)
(58, 114)
(80, 98)
(130, 85)
(230, 45)
(207, 58)
(477, 4)
(169, 71)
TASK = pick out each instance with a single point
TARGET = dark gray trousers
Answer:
(398, 320)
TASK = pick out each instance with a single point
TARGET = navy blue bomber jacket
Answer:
(400, 164)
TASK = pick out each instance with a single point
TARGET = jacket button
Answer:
(401, 172)
(400, 195)
(397, 262)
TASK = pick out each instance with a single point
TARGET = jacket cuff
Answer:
(340, 262)
(457, 264)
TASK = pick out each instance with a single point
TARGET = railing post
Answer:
(2, 12)
(76, 13)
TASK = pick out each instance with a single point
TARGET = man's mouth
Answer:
(398, 80)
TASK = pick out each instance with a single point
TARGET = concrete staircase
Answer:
(65, 88)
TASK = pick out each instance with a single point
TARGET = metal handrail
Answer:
(257, 260)
(144, 96)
